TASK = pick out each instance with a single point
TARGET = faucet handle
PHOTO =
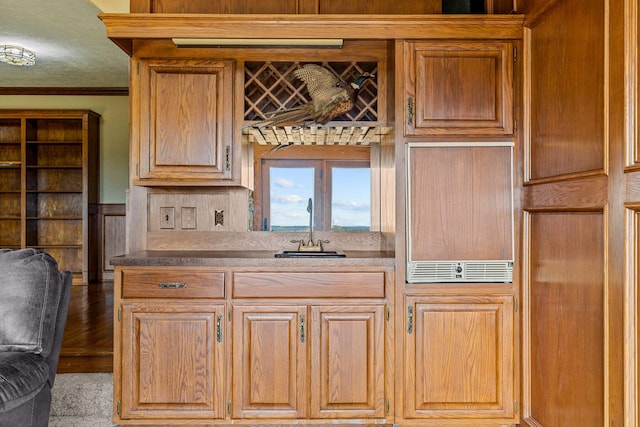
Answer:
(320, 242)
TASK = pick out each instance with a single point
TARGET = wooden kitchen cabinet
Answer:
(316, 350)
(320, 355)
(185, 133)
(347, 361)
(269, 361)
(329, 355)
(170, 340)
(459, 358)
(458, 88)
(173, 360)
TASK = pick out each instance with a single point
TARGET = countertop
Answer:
(249, 258)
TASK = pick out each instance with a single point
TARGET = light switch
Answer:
(188, 216)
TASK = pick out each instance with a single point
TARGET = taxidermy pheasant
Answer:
(330, 97)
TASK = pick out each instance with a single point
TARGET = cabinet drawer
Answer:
(172, 284)
(309, 285)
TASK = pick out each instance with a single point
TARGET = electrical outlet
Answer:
(219, 218)
(167, 218)
(188, 216)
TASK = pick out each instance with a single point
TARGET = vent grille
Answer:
(459, 271)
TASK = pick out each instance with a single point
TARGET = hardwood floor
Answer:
(88, 337)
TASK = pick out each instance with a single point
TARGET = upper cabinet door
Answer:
(461, 88)
(186, 110)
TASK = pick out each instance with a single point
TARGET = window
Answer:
(339, 185)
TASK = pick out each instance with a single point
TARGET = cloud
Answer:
(351, 206)
(284, 183)
(288, 198)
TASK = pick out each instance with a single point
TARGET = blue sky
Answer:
(292, 187)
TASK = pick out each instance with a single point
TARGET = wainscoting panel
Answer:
(564, 318)
(111, 220)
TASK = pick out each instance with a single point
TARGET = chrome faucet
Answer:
(310, 246)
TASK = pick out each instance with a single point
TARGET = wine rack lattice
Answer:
(270, 86)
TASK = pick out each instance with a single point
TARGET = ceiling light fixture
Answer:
(16, 55)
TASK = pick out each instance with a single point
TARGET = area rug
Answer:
(82, 400)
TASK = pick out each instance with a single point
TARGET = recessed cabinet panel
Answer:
(459, 357)
(186, 129)
(269, 361)
(347, 368)
(173, 358)
(458, 88)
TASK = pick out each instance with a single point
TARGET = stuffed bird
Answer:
(330, 97)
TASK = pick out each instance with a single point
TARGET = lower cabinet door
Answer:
(172, 360)
(459, 358)
(347, 361)
(269, 361)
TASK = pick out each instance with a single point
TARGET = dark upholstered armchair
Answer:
(34, 299)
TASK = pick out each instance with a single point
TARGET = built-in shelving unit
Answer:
(49, 185)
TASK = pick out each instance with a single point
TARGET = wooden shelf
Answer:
(46, 197)
(316, 135)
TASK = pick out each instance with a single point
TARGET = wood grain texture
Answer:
(88, 335)
(169, 283)
(308, 285)
(174, 366)
(569, 136)
(186, 123)
(124, 28)
(49, 191)
(459, 87)
(269, 362)
(347, 363)
(564, 372)
(112, 231)
(459, 358)
(459, 208)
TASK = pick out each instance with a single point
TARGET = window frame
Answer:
(322, 158)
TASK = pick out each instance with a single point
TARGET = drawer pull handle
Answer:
(172, 285)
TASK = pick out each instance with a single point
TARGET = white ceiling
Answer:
(70, 42)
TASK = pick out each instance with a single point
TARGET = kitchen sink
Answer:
(310, 254)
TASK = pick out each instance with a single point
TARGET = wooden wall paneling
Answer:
(632, 79)
(632, 203)
(566, 92)
(564, 336)
(380, 6)
(227, 6)
(295, 6)
(112, 231)
(632, 318)
(576, 248)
